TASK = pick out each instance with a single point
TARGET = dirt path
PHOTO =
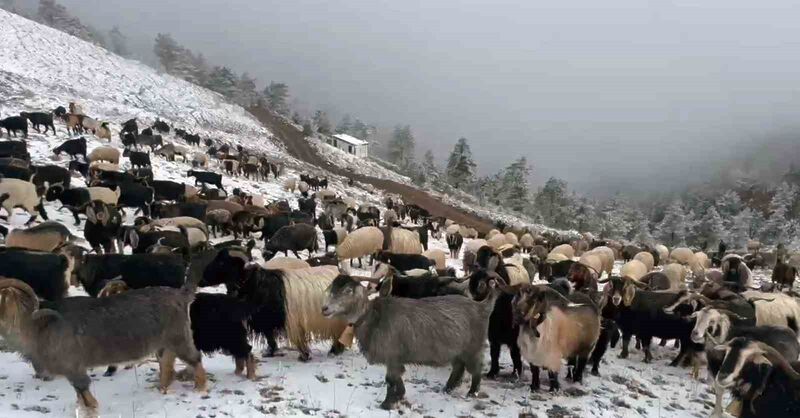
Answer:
(298, 147)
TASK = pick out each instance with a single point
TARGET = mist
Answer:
(616, 96)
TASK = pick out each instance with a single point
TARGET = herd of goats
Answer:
(554, 301)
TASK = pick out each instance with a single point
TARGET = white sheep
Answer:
(663, 253)
(517, 274)
(594, 261)
(403, 241)
(448, 222)
(199, 159)
(526, 241)
(389, 217)
(369, 188)
(90, 124)
(470, 253)
(359, 243)
(471, 233)
(753, 246)
(350, 202)
(21, 194)
(607, 256)
(492, 233)
(290, 185)
(564, 249)
(438, 256)
(463, 230)
(497, 241)
(676, 273)
(106, 195)
(285, 263)
(633, 269)
(102, 166)
(702, 260)
(325, 194)
(682, 255)
(104, 153)
(646, 258)
(302, 187)
(511, 238)
(176, 221)
(453, 229)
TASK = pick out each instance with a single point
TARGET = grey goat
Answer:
(432, 331)
(117, 329)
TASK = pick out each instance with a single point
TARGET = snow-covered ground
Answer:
(41, 68)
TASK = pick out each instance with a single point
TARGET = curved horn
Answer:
(22, 286)
(603, 281)
(779, 361)
(637, 283)
(761, 300)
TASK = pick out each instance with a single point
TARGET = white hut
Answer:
(350, 145)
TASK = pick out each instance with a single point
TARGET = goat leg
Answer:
(110, 370)
(516, 358)
(81, 381)
(251, 367)
(166, 363)
(535, 384)
(626, 341)
(455, 376)
(554, 384)
(494, 353)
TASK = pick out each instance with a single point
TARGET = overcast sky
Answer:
(605, 94)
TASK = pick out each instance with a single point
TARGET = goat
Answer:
(718, 326)
(553, 329)
(398, 331)
(768, 382)
(154, 319)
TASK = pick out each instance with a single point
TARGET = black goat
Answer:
(72, 147)
(47, 273)
(139, 159)
(136, 270)
(103, 224)
(206, 177)
(14, 124)
(45, 176)
(405, 262)
(38, 119)
(293, 238)
(14, 149)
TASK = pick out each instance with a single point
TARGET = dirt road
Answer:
(299, 148)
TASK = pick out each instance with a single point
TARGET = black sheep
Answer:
(14, 124)
(71, 199)
(14, 149)
(130, 126)
(169, 190)
(40, 118)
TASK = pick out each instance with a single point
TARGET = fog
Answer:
(619, 95)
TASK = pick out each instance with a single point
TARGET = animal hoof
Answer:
(623, 355)
(491, 375)
(304, 357)
(595, 372)
(163, 390)
(388, 405)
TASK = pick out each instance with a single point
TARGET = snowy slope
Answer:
(37, 73)
(43, 68)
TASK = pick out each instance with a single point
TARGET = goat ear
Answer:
(386, 286)
(134, 238)
(90, 215)
(493, 262)
(629, 291)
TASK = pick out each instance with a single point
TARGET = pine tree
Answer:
(585, 216)
(551, 199)
(673, 228)
(429, 169)
(401, 147)
(729, 204)
(118, 42)
(277, 94)
(57, 17)
(307, 129)
(246, 90)
(777, 227)
(167, 51)
(613, 220)
(361, 130)
(322, 122)
(711, 228)
(223, 81)
(641, 229)
(741, 228)
(460, 166)
(515, 185)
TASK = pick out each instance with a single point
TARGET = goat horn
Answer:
(366, 279)
(778, 360)
(22, 286)
(604, 281)
(761, 300)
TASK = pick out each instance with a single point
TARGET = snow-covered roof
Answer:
(350, 139)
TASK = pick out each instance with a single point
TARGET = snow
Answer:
(351, 139)
(41, 68)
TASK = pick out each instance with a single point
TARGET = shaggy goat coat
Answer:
(562, 335)
(359, 243)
